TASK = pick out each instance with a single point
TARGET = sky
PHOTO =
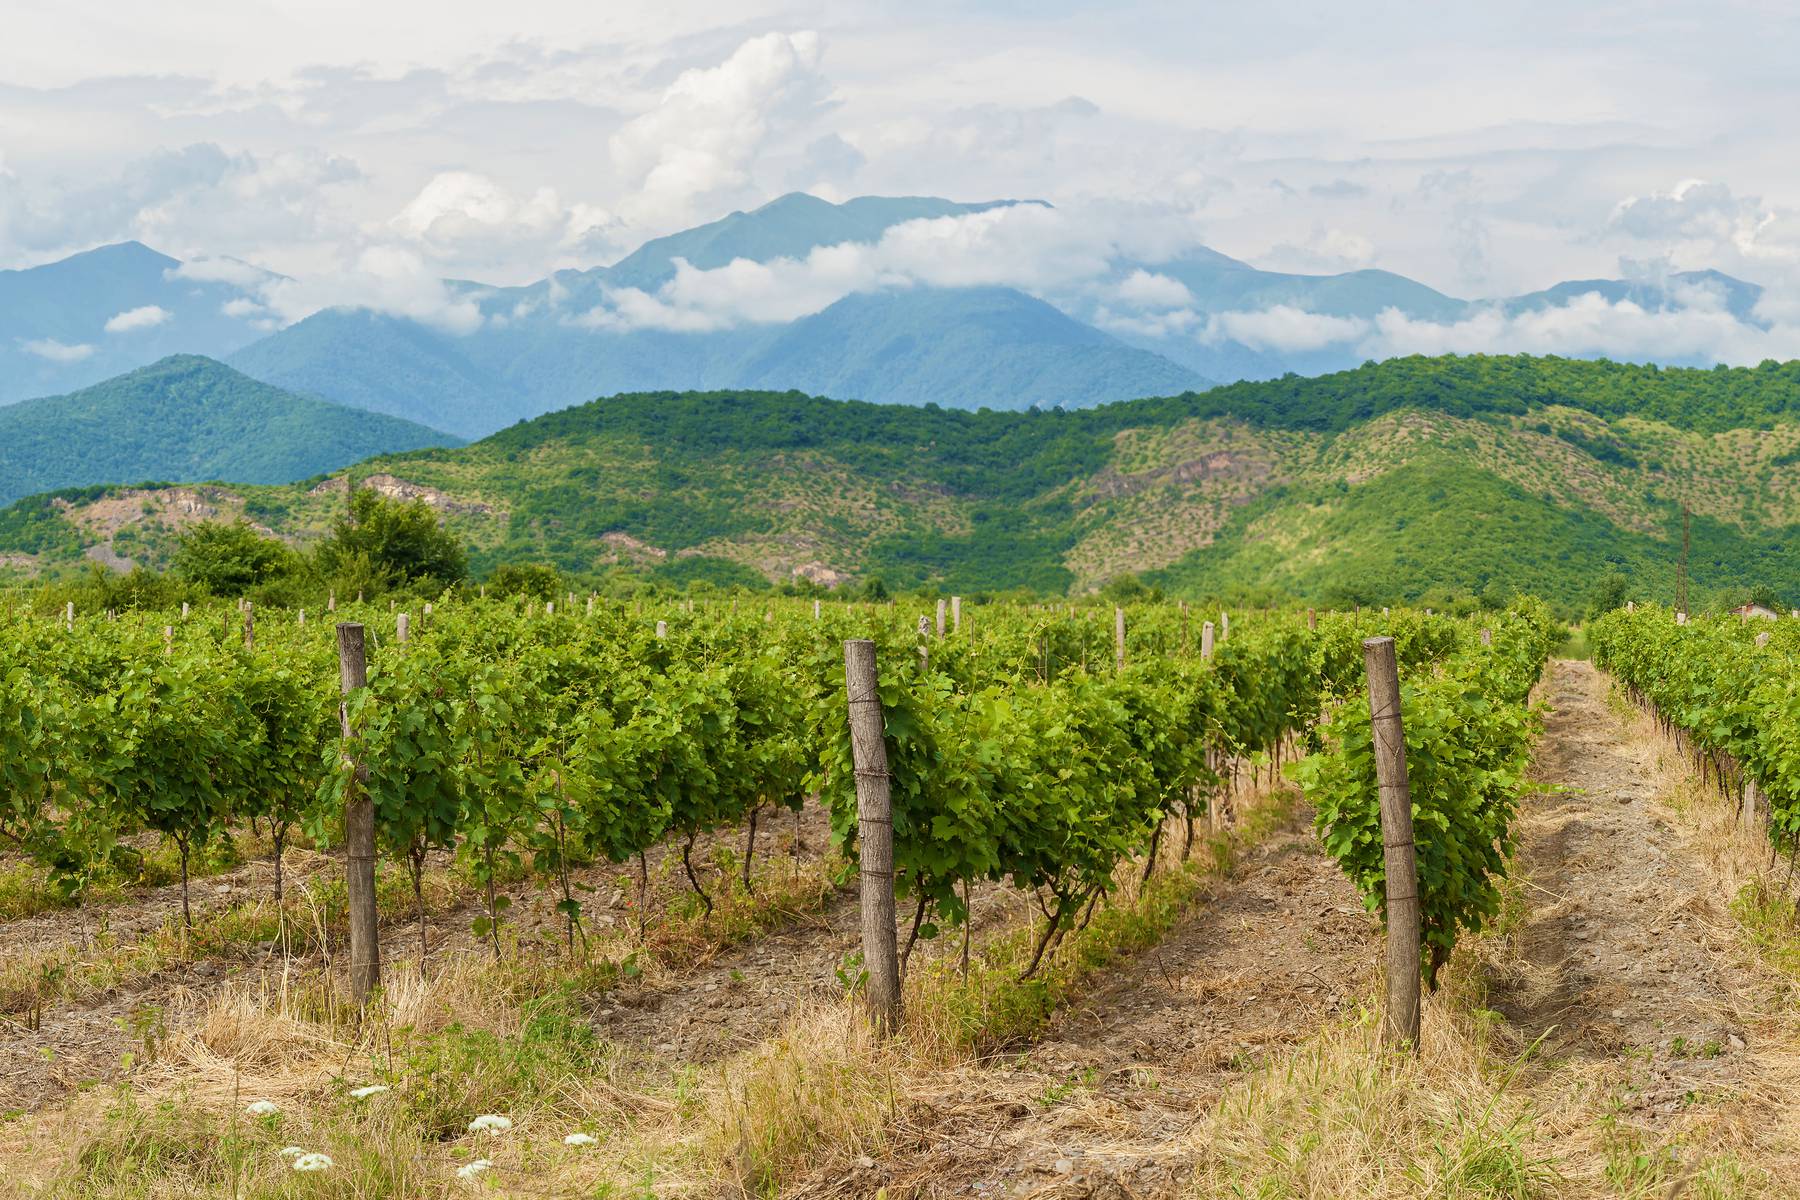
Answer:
(371, 148)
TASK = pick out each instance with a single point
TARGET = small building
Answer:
(1746, 611)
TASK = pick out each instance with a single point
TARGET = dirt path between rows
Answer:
(1102, 1104)
(1627, 952)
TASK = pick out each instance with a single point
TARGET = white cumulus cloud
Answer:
(1284, 327)
(710, 125)
(148, 316)
(54, 351)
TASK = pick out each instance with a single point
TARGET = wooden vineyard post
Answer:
(1118, 639)
(249, 628)
(1487, 637)
(401, 628)
(1206, 640)
(1312, 619)
(168, 640)
(359, 830)
(941, 607)
(662, 629)
(874, 833)
(1224, 626)
(956, 614)
(1400, 1015)
(815, 608)
(69, 616)
(184, 610)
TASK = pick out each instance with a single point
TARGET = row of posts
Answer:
(875, 834)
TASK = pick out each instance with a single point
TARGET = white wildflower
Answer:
(471, 1170)
(312, 1162)
(262, 1108)
(492, 1123)
(292, 1151)
(363, 1093)
(581, 1139)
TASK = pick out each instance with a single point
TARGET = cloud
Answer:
(133, 319)
(385, 278)
(1028, 246)
(196, 196)
(709, 126)
(1283, 327)
(231, 271)
(1326, 249)
(1693, 208)
(57, 352)
(471, 223)
(1697, 327)
(1145, 289)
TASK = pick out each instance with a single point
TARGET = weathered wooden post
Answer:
(168, 640)
(816, 613)
(1224, 626)
(302, 621)
(184, 610)
(1487, 637)
(331, 602)
(1206, 640)
(662, 629)
(956, 614)
(874, 833)
(1118, 639)
(401, 629)
(1312, 619)
(1400, 1016)
(549, 608)
(359, 829)
(942, 608)
(249, 628)
(69, 616)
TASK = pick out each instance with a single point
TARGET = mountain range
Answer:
(541, 347)
(1414, 479)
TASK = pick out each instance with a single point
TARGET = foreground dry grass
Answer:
(519, 1038)
(1574, 1097)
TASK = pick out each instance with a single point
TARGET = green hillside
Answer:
(1405, 480)
(187, 418)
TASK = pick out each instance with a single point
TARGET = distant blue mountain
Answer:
(960, 348)
(540, 350)
(53, 319)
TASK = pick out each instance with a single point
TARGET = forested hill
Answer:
(188, 417)
(1707, 401)
(1409, 479)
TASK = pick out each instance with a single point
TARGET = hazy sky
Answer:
(1481, 149)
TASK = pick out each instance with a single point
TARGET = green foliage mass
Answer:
(230, 559)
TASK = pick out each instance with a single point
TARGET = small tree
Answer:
(228, 559)
(1608, 594)
(401, 541)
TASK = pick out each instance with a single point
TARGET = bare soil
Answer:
(1102, 1104)
(1627, 951)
